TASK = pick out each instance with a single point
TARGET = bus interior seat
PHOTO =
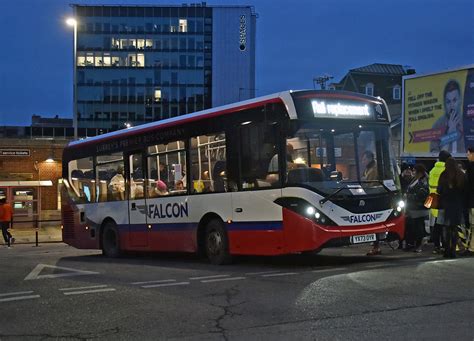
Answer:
(301, 175)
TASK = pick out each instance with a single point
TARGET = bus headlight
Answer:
(310, 210)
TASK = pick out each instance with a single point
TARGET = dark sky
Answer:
(296, 40)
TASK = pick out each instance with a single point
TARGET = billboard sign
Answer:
(438, 113)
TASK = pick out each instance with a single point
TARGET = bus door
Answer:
(137, 206)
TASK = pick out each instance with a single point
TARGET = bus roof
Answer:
(279, 97)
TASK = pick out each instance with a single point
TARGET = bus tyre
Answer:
(217, 243)
(110, 240)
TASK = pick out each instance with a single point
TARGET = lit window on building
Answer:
(99, 61)
(140, 44)
(149, 43)
(157, 96)
(81, 61)
(140, 60)
(183, 25)
(107, 61)
(115, 61)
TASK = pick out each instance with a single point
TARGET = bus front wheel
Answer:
(110, 240)
(217, 243)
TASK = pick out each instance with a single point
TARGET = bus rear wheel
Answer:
(110, 240)
(217, 243)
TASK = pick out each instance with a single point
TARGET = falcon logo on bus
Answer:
(169, 210)
(362, 218)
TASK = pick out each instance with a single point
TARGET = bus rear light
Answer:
(87, 227)
(149, 226)
(229, 221)
(62, 227)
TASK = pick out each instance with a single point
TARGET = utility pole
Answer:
(321, 80)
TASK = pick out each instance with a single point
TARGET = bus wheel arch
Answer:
(110, 238)
(212, 227)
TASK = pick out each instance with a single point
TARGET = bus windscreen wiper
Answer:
(329, 196)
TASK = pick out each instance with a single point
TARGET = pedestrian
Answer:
(6, 221)
(451, 189)
(417, 192)
(470, 199)
(406, 176)
(435, 173)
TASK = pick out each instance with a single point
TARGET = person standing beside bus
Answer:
(470, 198)
(435, 173)
(451, 189)
(6, 221)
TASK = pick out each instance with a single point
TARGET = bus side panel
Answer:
(182, 241)
(265, 243)
(74, 232)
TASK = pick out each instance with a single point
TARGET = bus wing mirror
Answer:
(335, 176)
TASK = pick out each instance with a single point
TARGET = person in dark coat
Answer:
(417, 192)
(406, 176)
(470, 197)
(451, 190)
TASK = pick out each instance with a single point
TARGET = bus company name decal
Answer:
(169, 210)
(362, 218)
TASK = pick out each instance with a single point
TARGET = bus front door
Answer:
(137, 206)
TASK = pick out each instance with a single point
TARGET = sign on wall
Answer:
(243, 33)
(14, 152)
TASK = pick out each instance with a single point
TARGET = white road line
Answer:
(88, 291)
(81, 288)
(156, 281)
(280, 274)
(164, 285)
(329, 270)
(223, 279)
(206, 277)
(9, 299)
(260, 273)
(15, 293)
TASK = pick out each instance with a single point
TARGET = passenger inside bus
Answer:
(117, 185)
(370, 172)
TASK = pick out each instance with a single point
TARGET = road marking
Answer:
(281, 274)
(260, 273)
(329, 270)
(157, 281)
(206, 277)
(371, 266)
(88, 291)
(15, 293)
(81, 288)
(164, 285)
(9, 299)
(35, 273)
(223, 279)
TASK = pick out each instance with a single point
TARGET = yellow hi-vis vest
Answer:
(435, 173)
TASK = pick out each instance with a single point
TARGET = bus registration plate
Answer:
(365, 238)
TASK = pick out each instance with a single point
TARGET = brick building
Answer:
(30, 177)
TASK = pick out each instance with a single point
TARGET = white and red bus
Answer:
(292, 172)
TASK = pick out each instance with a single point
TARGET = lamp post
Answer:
(73, 22)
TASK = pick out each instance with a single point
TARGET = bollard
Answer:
(36, 236)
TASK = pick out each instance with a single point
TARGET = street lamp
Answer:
(73, 22)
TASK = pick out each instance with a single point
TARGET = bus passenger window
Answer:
(208, 163)
(166, 173)
(82, 180)
(110, 177)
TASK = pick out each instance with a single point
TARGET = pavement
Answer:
(26, 235)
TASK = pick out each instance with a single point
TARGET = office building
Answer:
(137, 64)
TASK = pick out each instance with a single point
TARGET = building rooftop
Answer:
(385, 69)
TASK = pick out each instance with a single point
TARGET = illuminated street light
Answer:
(71, 21)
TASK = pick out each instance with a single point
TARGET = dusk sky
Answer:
(296, 41)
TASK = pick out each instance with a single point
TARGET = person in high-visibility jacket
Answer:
(436, 229)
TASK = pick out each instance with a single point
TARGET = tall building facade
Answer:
(137, 64)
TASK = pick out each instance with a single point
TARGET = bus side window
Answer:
(208, 163)
(81, 177)
(110, 177)
(260, 150)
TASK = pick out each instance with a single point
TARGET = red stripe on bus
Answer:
(179, 122)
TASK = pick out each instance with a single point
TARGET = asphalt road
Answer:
(55, 292)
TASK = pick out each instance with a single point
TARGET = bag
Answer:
(432, 201)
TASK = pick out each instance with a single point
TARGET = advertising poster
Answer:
(439, 113)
